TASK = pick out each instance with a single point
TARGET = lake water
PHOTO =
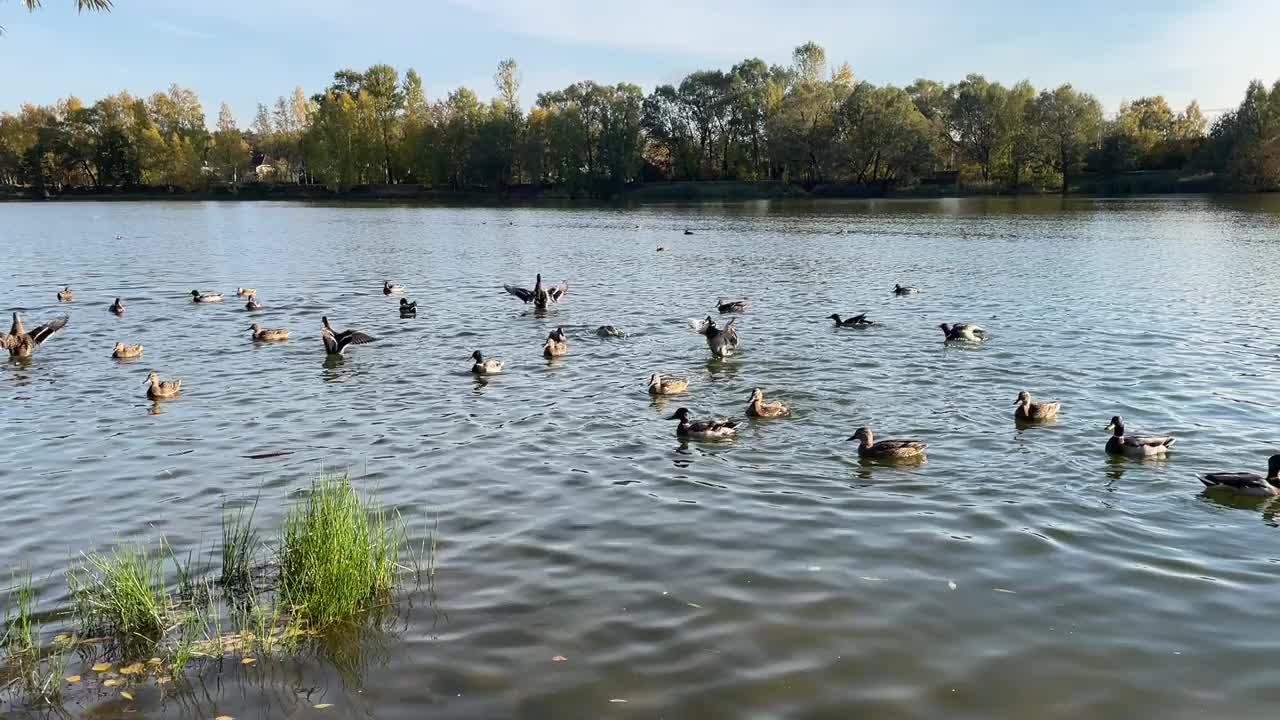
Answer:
(1015, 574)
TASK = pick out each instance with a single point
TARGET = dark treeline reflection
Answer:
(805, 124)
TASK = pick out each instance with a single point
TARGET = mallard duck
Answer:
(712, 428)
(159, 390)
(1246, 483)
(962, 332)
(117, 307)
(1135, 445)
(905, 290)
(335, 343)
(21, 343)
(261, 334)
(253, 303)
(540, 296)
(245, 292)
(886, 449)
(659, 385)
(126, 352)
(661, 249)
(731, 306)
(687, 231)
(721, 342)
(758, 407)
(610, 331)
(481, 366)
(556, 344)
(408, 309)
(65, 294)
(205, 297)
(1028, 411)
(855, 321)
(390, 288)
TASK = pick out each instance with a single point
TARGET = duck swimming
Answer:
(205, 297)
(758, 407)
(261, 334)
(390, 288)
(721, 342)
(245, 292)
(408, 309)
(963, 332)
(855, 321)
(1028, 411)
(126, 352)
(905, 290)
(21, 343)
(1135, 445)
(731, 306)
(659, 385)
(710, 429)
(540, 296)
(337, 343)
(886, 449)
(160, 390)
(65, 294)
(1246, 483)
(481, 366)
(555, 345)
(117, 307)
(610, 331)
(253, 303)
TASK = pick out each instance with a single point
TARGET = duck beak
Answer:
(851, 438)
(1018, 401)
(1110, 427)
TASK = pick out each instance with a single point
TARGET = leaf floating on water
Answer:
(110, 683)
(322, 706)
(1003, 590)
(73, 678)
(616, 700)
(102, 667)
(248, 661)
(125, 694)
(224, 717)
(868, 578)
(815, 568)
(133, 669)
(61, 638)
(694, 605)
(559, 658)
(153, 661)
(951, 584)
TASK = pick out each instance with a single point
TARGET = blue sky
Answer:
(249, 51)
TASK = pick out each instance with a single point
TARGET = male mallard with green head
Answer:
(1135, 445)
(709, 429)
(1246, 483)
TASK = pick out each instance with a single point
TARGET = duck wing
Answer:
(42, 333)
(1148, 440)
(522, 293)
(558, 291)
(888, 446)
(730, 332)
(352, 337)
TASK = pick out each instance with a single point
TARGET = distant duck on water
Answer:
(556, 344)
(408, 309)
(1141, 446)
(161, 389)
(540, 296)
(660, 385)
(252, 303)
(336, 343)
(482, 366)
(759, 407)
(205, 297)
(709, 429)
(1028, 411)
(731, 306)
(117, 307)
(905, 290)
(390, 288)
(126, 352)
(855, 321)
(886, 449)
(65, 294)
(1251, 484)
(963, 332)
(722, 343)
(261, 334)
(610, 331)
(245, 292)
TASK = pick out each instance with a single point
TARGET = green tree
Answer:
(230, 152)
(1068, 126)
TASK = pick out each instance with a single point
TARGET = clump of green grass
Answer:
(36, 672)
(122, 592)
(338, 554)
(239, 544)
(20, 627)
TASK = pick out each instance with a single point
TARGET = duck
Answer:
(1135, 445)
(610, 331)
(855, 321)
(336, 343)
(245, 292)
(886, 449)
(408, 309)
(962, 332)
(390, 288)
(905, 290)
(661, 249)
(205, 297)
(721, 342)
(21, 343)
(659, 385)
(126, 352)
(710, 429)
(1028, 411)
(117, 307)
(481, 366)
(759, 407)
(161, 389)
(555, 345)
(253, 303)
(261, 334)
(65, 294)
(540, 296)
(687, 231)
(1246, 483)
(731, 306)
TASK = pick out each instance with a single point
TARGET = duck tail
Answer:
(1169, 442)
(1207, 482)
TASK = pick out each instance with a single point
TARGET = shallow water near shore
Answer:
(1016, 573)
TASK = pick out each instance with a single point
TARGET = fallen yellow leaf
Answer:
(153, 661)
(125, 695)
(133, 669)
(224, 717)
(73, 678)
(559, 658)
(61, 638)
(102, 667)
(322, 706)
(110, 683)
(248, 661)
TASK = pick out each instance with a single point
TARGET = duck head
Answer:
(152, 378)
(1023, 397)
(834, 316)
(862, 433)
(946, 328)
(118, 347)
(756, 394)
(195, 293)
(681, 414)
(655, 379)
(1116, 426)
(1273, 470)
(404, 301)
(477, 356)
(255, 327)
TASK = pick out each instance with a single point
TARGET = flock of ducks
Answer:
(722, 341)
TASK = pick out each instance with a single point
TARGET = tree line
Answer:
(805, 123)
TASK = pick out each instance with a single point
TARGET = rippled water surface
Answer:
(1014, 574)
